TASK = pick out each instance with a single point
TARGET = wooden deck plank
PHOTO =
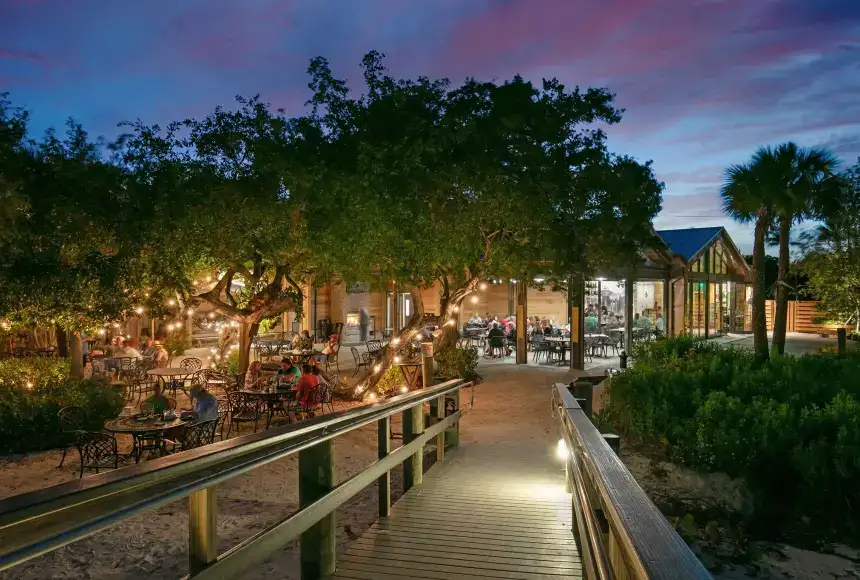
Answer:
(483, 514)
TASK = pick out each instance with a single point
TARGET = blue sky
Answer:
(703, 82)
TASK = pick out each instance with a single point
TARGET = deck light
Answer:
(561, 450)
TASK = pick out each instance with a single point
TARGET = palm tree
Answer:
(745, 200)
(798, 178)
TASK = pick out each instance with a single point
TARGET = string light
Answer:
(474, 299)
(451, 322)
(211, 315)
(482, 286)
(101, 330)
(29, 385)
(190, 311)
(116, 324)
(456, 309)
(169, 327)
(208, 279)
(395, 341)
(139, 309)
(171, 302)
(404, 389)
(377, 368)
(397, 359)
(372, 396)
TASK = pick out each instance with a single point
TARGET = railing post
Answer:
(584, 391)
(440, 438)
(384, 481)
(452, 434)
(413, 467)
(316, 479)
(202, 529)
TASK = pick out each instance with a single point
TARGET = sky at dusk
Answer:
(703, 82)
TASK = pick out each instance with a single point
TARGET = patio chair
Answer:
(215, 381)
(374, 347)
(196, 435)
(363, 359)
(243, 409)
(191, 364)
(327, 397)
(97, 450)
(72, 421)
(127, 366)
(331, 359)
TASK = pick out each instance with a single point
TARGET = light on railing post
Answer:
(561, 450)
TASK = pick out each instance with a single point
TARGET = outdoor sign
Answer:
(427, 349)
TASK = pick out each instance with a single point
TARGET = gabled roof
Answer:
(689, 242)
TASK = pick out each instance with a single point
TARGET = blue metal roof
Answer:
(687, 243)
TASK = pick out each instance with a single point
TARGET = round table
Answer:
(270, 397)
(171, 375)
(143, 429)
(302, 355)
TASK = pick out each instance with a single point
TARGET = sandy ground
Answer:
(510, 403)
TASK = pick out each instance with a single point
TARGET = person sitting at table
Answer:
(591, 324)
(306, 386)
(161, 358)
(157, 403)
(496, 340)
(127, 351)
(317, 372)
(204, 404)
(330, 348)
(289, 372)
(148, 348)
(254, 376)
(475, 320)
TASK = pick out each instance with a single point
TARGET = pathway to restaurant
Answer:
(496, 508)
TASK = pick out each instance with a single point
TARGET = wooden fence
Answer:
(801, 317)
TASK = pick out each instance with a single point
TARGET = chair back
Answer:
(72, 418)
(191, 364)
(355, 355)
(94, 447)
(200, 434)
(374, 346)
(240, 381)
(126, 363)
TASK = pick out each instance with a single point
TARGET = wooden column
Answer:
(667, 289)
(576, 313)
(202, 529)
(316, 479)
(628, 313)
(413, 466)
(522, 322)
(384, 481)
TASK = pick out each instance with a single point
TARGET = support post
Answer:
(384, 481)
(613, 440)
(452, 434)
(576, 307)
(189, 327)
(628, 313)
(440, 438)
(522, 323)
(841, 338)
(316, 479)
(413, 466)
(202, 530)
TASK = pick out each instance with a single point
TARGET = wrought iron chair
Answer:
(331, 359)
(97, 450)
(243, 409)
(196, 435)
(191, 364)
(362, 359)
(327, 397)
(374, 347)
(127, 367)
(72, 421)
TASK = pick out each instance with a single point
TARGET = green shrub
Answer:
(38, 372)
(458, 363)
(230, 364)
(790, 427)
(176, 344)
(28, 417)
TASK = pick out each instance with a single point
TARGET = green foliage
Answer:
(176, 344)
(458, 363)
(28, 417)
(230, 364)
(390, 382)
(832, 260)
(790, 427)
(38, 372)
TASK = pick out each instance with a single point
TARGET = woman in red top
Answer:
(306, 386)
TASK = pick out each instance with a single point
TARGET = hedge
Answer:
(790, 427)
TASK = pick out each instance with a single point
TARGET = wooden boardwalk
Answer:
(484, 513)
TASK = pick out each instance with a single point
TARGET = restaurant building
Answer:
(697, 283)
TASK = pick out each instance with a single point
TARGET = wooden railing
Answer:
(38, 522)
(621, 534)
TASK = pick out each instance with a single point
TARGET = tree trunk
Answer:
(399, 345)
(247, 332)
(76, 351)
(780, 321)
(759, 322)
(62, 342)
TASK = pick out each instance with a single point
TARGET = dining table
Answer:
(144, 428)
(271, 396)
(171, 376)
(302, 355)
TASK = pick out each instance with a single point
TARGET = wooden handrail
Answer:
(641, 544)
(34, 523)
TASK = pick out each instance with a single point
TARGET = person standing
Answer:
(363, 322)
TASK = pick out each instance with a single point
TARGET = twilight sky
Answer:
(703, 81)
